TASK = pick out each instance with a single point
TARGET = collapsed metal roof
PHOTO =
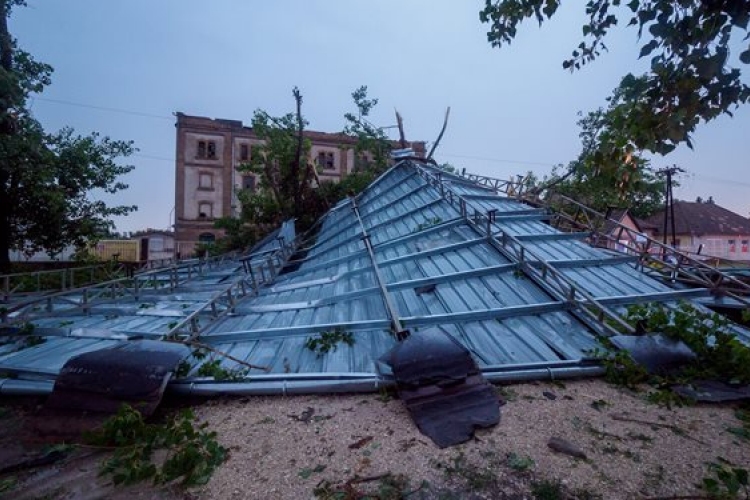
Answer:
(424, 248)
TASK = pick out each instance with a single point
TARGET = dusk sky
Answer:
(123, 69)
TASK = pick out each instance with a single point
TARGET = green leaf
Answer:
(648, 48)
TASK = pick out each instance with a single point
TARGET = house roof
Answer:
(700, 219)
(150, 232)
(618, 215)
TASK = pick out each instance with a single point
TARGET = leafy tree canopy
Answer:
(609, 172)
(281, 182)
(46, 178)
(691, 78)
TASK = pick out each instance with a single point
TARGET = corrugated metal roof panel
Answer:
(438, 267)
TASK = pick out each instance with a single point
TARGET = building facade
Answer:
(155, 245)
(207, 179)
(705, 229)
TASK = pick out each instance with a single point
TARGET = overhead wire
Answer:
(449, 155)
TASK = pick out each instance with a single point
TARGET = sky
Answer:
(123, 68)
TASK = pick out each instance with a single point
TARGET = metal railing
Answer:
(654, 257)
(85, 297)
(23, 284)
(585, 305)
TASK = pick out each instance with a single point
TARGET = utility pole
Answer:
(669, 202)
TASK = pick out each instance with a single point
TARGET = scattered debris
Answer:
(560, 445)
(305, 416)
(677, 430)
(657, 353)
(442, 387)
(712, 391)
(360, 443)
(101, 381)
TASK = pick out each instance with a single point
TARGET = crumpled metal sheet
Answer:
(657, 353)
(712, 391)
(442, 387)
(100, 381)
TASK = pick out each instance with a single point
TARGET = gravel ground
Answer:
(284, 447)
(289, 447)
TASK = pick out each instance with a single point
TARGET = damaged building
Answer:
(422, 258)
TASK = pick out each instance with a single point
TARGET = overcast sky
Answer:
(123, 69)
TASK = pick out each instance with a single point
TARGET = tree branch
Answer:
(440, 135)
(402, 137)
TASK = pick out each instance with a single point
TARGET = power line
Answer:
(498, 160)
(152, 157)
(467, 157)
(105, 108)
(710, 178)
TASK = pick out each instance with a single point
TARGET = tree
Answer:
(608, 172)
(46, 179)
(690, 80)
(281, 164)
(371, 140)
(288, 183)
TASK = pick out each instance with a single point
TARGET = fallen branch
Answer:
(356, 480)
(672, 427)
(207, 347)
(680, 497)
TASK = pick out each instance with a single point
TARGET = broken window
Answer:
(205, 210)
(206, 149)
(244, 152)
(326, 160)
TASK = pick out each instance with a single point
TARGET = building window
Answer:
(156, 244)
(248, 182)
(362, 161)
(206, 238)
(244, 152)
(732, 246)
(744, 246)
(206, 149)
(326, 160)
(205, 210)
(206, 181)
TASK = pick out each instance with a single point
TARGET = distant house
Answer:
(704, 228)
(66, 255)
(155, 244)
(618, 237)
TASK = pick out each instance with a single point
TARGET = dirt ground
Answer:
(303, 446)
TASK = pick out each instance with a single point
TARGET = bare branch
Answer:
(402, 137)
(440, 136)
